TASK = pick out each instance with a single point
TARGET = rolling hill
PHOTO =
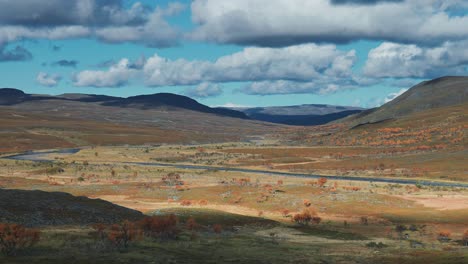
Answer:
(39, 208)
(428, 95)
(70, 120)
(9, 96)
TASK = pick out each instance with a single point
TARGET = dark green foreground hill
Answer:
(39, 208)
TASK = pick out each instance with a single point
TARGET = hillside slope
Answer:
(9, 96)
(39, 208)
(437, 93)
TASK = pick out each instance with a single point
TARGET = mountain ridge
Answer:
(11, 96)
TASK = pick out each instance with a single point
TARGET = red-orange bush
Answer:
(185, 203)
(321, 182)
(465, 238)
(305, 217)
(217, 228)
(444, 235)
(191, 224)
(203, 202)
(120, 235)
(14, 237)
(163, 227)
(285, 212)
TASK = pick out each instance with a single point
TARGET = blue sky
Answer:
(230, 52)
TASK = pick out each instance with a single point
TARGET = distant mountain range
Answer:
(9, 96)
(441, 92)
(300, 115)
(42, 121)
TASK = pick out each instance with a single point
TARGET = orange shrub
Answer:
(465, 238)
(162, 227)
(185, 203)
(217, 228)
(444, 235)
(321, 182)
(305, 217)
(120, 235)
(191, 224)
(285, 212)
(306, 203)
(203, 202)
(14, 237)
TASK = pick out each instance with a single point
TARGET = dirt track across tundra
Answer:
(41, 156)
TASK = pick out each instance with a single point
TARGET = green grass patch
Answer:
(329, 234)
(210, 217)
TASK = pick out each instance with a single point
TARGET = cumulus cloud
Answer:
(392, 96)
(285, 70)
(231, 105)
(49, 80)
(16, 54)
(65, 63)
(107, 20)
(411, 61)
(13, 33)
(295, 63)
(321, 86)
(156, 32)
(204, 90)
(117, 75)
(288, 22)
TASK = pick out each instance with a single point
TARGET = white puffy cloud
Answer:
(392, 96)
(231, 105)
(295, 63)
(287, 22)
(205, 90)
(117, 75)
(295, 69)
(321, 86)
(411, 61)
(49, 80)
(12, 33)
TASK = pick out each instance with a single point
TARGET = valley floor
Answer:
(360, 222)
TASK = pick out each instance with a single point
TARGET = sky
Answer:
(233, 53)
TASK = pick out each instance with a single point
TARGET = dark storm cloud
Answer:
(37, 13)
(17, 54)
(106, 20)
